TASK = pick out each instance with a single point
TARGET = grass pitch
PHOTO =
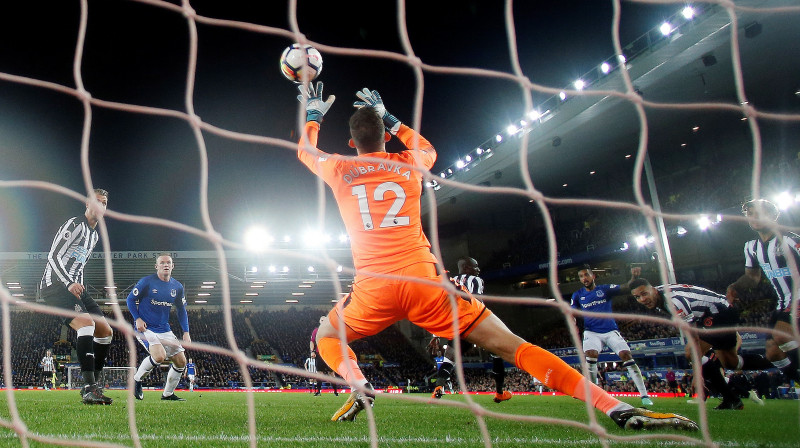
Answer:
(219, 419)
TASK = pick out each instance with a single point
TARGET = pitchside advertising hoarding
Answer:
(652, 347)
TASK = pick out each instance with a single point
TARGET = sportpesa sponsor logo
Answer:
(593, 303)
(157, 303)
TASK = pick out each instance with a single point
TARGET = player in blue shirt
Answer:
(157, 294)
(602, 331)
(191, 372)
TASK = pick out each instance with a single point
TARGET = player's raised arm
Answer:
(316, 109)
(410, 138)
(636, 272)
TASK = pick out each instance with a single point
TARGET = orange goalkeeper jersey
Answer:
(379, 200)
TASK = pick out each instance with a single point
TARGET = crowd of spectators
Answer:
(388, 359)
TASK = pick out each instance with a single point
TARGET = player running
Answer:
(708, 311)
(771, 253)
(599, 332)
(378, 195)
(156, 294)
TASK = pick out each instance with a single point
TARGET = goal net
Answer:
(538, 171)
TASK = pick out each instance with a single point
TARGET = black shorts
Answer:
(728, 318)
(58, 296)
(779, 316)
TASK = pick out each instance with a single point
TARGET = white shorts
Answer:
(191, 377)
(612, 340)
(172, 346)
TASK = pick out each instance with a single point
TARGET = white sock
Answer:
(144, 368)
(173, 377)
(636, 376)
(592, 369)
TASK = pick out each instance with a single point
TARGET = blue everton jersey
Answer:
(156, 297)
(597, 300)
(190, 369)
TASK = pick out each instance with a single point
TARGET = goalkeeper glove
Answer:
(373, 99)
(315, 107)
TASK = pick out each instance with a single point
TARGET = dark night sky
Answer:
(137, 53)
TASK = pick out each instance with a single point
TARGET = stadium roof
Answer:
(248, 275)
(594, 134)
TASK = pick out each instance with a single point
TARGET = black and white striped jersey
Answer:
(693, 303)
(311, 364)
(473, 283)
(47, 364)
(71, 249)
(770, 256)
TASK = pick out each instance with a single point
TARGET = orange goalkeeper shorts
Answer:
(377, 303)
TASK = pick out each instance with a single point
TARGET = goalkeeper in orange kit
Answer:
(378, 195)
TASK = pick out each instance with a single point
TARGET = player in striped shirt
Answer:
(62, 287)
(48, 368)
(707, 310)
(777, 255)
(397, 277)
(311, 367)
(468, 277)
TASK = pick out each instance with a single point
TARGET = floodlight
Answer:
(498, 138)
(479, 151)
(681, 231)
(467, 159)
(640, 240)
(343, 238)
(688, 13)
(271, 268)
(511, 129)
(579, 84)
(605, 67)
(562, 95)
(666, 28)
(703, 222)
(784, 200)
(315, 238)
(257, 239)
(534, 115)
(311, 269)
(625, 246)
(460, 164)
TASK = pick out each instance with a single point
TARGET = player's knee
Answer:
(102, 329)
(773, 352)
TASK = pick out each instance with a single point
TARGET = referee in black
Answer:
(62, 287)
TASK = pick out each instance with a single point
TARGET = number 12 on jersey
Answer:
(390, 219)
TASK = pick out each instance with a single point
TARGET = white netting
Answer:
(203, 130)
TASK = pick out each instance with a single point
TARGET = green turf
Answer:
(219, 419)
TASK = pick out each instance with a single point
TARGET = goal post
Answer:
(113, 377)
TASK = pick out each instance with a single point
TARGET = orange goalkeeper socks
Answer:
(556, 374)
(331, 351)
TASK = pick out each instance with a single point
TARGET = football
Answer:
(301, 63)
